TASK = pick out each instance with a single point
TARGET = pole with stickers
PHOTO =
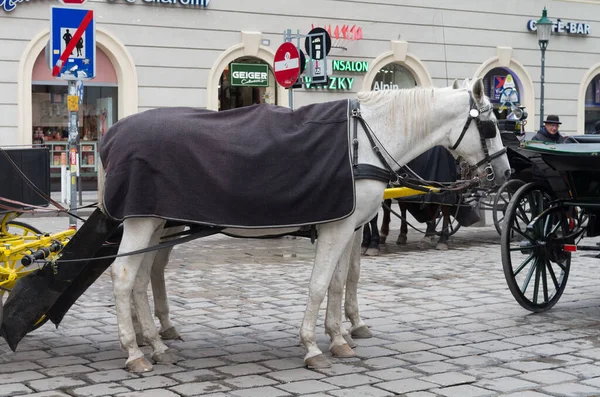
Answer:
(72, 57)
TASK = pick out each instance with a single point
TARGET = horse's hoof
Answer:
(139, 339)
(382, 239)
(441, 247)
(425, 243)
(317, 362)
(165, 358)
(170, 334)
(362, 333)
(372, 252)
(342, 351)
(139, 365)
(350, 341)
(402, 239)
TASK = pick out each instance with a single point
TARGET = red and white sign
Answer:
(71, 2)
(287, 64)
(345, 32)
(73, 156)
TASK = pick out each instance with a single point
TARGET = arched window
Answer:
(592, 105)
(393, 76)
(503, 87)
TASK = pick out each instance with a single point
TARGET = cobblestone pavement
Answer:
(444, 324)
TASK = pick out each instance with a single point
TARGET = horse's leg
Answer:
(159, 293)
(341, 343)
(403, 236)
(366, 239)
(136, 235)
(385, 221)
(140, 300)
(333, 239)
(358, 328)
(442, 244)
(427, 241)
(373, 249)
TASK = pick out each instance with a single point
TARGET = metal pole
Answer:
(72, 158)
(542, 78)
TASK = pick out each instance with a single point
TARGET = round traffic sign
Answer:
(286, 64)
(314, 45)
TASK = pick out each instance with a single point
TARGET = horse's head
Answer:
(475, 137)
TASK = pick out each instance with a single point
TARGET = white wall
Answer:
(174, 47)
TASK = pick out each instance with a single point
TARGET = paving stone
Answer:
(14, 389)
(421, 357)
(547, 377)
(199, 375)
(243, 369)
(449, 379)
(59, 382)
(19, 377)
(527, 393)
(464, 391)
(202, 363)
(152, 382)
(100, 389)
(392, 374)
(351, 380)
(435, 367)
(362, 391)
(112, 375)
(505, 384)
(342, 369)
(411, 346)
(149, 393)
(383, 362)
(18, 367)
(259, 392)
(62, 361)
(284, 363)
(406, 385)
(571, 390)
(73, 350)
(294, 375)
(49, 394)
(68, 370)
(307, 386)
(245, 382)
(197, 388)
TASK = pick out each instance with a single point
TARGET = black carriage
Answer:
(546, 221)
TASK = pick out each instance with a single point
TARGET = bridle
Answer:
(487, 130)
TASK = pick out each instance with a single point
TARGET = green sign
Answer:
(249, 74)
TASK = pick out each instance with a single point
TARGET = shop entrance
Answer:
(246, 81)
(592, 106)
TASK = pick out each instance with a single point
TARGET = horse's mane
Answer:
(413, 107)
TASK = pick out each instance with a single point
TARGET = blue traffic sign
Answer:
(72, 43)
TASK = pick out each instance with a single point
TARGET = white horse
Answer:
(407, 123)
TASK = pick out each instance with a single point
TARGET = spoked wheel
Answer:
(501, 200)
(453, 224)
(536, 267)
(20, 229)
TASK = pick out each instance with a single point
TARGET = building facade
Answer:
(156, 53)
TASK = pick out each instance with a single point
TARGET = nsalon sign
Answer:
(560, 27)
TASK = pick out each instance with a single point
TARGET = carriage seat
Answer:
(588, 138)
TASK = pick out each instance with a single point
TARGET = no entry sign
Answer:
(287, 64)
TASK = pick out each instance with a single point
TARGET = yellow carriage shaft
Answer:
(32, 243)
(399, 192)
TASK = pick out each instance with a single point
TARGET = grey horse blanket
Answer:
(259, 166)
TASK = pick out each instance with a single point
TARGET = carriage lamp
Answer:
(544, 31)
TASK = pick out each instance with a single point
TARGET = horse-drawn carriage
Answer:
(546, 220)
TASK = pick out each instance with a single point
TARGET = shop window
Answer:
(393, 76)
(98, 111)
(592, 105)
(246, 81)
(503, 87)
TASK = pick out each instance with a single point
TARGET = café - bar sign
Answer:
(10, 5)
(558, 26)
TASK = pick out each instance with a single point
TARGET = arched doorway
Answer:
(393, 76)
(246, 81)
(503, 87)
(592, 105)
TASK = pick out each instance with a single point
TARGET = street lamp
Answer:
(544, 30)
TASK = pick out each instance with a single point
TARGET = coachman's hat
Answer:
(552, 119)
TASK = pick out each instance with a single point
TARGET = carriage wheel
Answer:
(453, 224)
(501, 200)
(536, 269)
(19, 229)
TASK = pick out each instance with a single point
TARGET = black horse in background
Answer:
(438, 165)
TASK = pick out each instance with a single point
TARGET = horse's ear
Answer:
(455, 85)
(478, 90)
(466, 83)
